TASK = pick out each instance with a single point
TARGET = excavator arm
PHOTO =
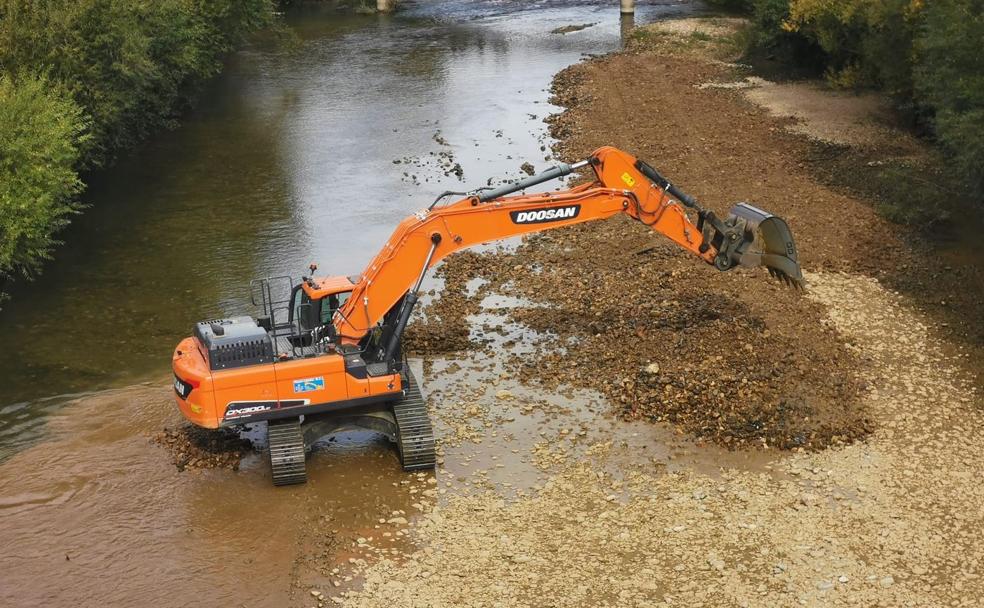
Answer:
(387, 289)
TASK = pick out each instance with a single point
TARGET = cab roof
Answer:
(319, 287)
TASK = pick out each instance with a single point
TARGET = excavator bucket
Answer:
(768, 242)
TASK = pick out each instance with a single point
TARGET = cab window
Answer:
(329, 304)
(301, 309)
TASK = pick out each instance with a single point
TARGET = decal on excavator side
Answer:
(541, 216)
(238, 409)
(309, 384)
(243, 409)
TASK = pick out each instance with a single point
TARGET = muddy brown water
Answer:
(287, 159)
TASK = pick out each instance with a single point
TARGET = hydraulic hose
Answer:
(552, 173)
(654, 176)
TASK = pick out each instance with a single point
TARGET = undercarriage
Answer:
(404, 421)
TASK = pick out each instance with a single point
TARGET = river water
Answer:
(290, 157)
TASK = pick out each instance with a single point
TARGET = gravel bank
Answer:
(890, 521)
(873, 502)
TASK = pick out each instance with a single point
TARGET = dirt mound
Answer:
(735, 358)
(732, 357)
(441, 326)
(193, 447)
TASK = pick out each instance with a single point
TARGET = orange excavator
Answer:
(325, 353)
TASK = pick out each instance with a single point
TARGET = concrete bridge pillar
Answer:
(385, 6)
(628, 7)
(627, 24)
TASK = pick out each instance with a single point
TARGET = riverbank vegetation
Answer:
(83, 80)
(925, 55)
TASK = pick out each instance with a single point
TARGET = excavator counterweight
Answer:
(326, 353)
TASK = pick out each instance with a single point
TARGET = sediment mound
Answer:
(192, 447)
(732, 357)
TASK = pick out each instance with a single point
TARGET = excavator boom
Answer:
(622, 184)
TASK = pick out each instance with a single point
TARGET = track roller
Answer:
(286, 451)
(415, 436)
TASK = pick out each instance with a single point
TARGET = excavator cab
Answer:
(311, 317)
(303, 318)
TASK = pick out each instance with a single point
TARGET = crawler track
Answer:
(415, 436)
(286, 451)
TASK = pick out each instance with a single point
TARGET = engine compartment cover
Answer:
(234, 342)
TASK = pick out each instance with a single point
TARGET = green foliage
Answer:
(125, 68)
(739, 6)
(926, 55)
(41, 129)
(770, 18)
(950, 80)
(861, 42)
(130, 64)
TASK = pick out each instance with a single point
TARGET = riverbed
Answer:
(298, 153)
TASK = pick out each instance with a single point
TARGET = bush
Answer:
(741, 6)
(41, 129)
(773, 34)
(863, 42)
(949, 79)
(132, 66)
(124, 68)
(927, 55)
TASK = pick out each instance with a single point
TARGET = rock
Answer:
(886, 582)
(400, 521)
(653, 368)
(808, 499)
(503, 394)
(715, 562)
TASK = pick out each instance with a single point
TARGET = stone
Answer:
(715, 562)
(808, 499)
